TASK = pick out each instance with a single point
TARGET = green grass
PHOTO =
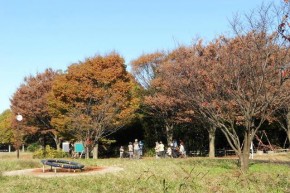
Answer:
(151, 175)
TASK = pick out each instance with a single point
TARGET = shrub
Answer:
(149, 152)
(33, 147)
(49, 152)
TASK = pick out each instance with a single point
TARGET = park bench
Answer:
(53, 163)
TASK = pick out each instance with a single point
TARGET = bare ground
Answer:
(59, 172)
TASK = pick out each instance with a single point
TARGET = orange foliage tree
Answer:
(93, 99)
(30, 100)
(158, 101)
(234, 83)
(176, 73)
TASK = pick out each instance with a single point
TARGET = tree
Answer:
(145, 67)
(161, 99)
(93, 99)
(30, 100)
(284, 25)
(283, 118)
(176, 76)
(235, 83)
(283, 114)
(6, 134)
(158, 101)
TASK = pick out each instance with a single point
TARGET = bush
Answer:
(33, 147)
(149, 152)
(49, 152)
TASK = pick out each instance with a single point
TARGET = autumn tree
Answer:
(166, 108)
(162, 100)
(176, 74)
(157, 101)
(145, 67)
(235, 81)
(283, 118)
(283, 114)
(284, 25)
(93, 99)
(30, 100)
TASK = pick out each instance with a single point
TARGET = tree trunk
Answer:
(244, 156)
(95, 151)
(244, 160)
(288, 134)
(211, 135)
(17, 152)
(44, 146)
(87, 152)
(58, 146)
(288, 127)
(57, 142)
(169, 133)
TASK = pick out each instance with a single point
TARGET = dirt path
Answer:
(38, 172)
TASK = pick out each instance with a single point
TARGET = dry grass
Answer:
(13, 155)
(151, 175)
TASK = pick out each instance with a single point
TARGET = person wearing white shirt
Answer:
(161, 150)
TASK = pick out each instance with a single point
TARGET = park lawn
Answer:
(153, 175)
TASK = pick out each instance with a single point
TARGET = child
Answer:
(169, 151)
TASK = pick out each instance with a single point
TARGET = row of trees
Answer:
(235, 84)
(89, 101)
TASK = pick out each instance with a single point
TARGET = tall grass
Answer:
(151, 175)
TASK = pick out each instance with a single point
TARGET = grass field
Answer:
(151, 175)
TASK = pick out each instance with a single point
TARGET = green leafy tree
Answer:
(6, 134)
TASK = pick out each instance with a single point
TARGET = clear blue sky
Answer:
(38, 34)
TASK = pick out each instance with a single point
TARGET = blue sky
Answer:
(36, 35)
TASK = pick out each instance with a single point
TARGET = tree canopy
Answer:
(93, 98)
(6, 135)
(30, 101)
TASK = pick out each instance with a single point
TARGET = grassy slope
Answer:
(150, 175)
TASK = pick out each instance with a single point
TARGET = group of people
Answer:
(173, 150)
(135, 150)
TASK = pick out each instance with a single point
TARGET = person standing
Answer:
(157, 149)
(251, 150)
(141, 146)
(136, 149)
(161, 149)
(175, 145)
(130, 150)
(121, 152)
(182, 150)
